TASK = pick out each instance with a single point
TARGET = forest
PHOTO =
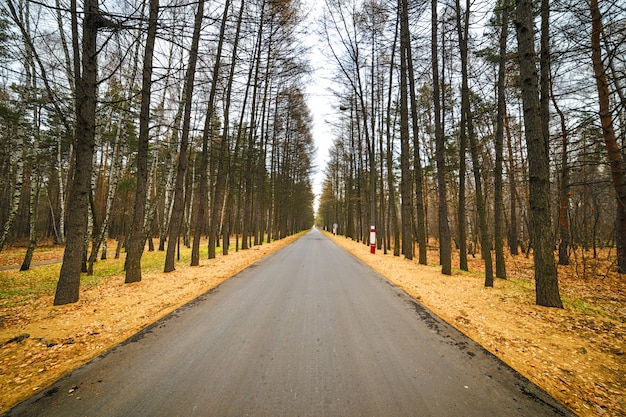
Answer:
(140, 121)
(490, 129)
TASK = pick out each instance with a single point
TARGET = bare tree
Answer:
(405, 155)
(445, 245)
(136, 242)
(67, 289)
(613, 149)
(178, 203)
(546, 281)
(499, 142)
(204, 164)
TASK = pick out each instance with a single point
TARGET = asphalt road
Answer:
(307, 331)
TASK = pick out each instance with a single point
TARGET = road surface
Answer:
(307, 331)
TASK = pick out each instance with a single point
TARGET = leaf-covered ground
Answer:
(576, 354)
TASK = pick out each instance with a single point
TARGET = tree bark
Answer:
(499, 146)
(546, 282)
(18, 154)
(179, 191)
(32, 219)
(250, 160)
(462, 215)
(393, 210)
(445, 244)
(485, 236)
(207, 132)
(512, 235)
(136, 242)
(564, 230)
(67, 290)
(405, 184)
(419, 175)
(614, 153)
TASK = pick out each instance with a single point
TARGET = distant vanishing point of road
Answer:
(307, 331)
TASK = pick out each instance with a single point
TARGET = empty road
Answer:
(307, 331)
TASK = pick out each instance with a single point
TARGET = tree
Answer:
(613, 149)
(19, 152)
(417, 158)
(223, 161)
(546, 281)
(136, 242)
(564, 227)
(405, 181)
(468, 117)
(178, 204)
(204, 164)
(393, 210)
(67, 289)
(499, 143)
(462, 212)
(445, 245)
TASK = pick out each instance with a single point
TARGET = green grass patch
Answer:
(463, 272)
(581, 305)
(16, 287)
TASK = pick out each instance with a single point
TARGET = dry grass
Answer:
(56, 340)
(577, 354)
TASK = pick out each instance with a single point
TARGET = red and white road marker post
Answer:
(372, 239)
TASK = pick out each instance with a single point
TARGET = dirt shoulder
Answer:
(39, 343)
(576, 354)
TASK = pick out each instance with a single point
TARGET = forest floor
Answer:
(577, 354)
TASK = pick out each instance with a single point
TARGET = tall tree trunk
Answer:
(546, 281)
(499, 146)
(116, 170)
(32, 219)
(100, 229)
(393, 208)
(462, 215)
(179, 190)
(512, 235)
(485, 236)
(445, 245)
(207, 132)
(136, 242)
(62, 193)
(18, 155)
(564, 232)
(419, 175)
(614, 153)
(223, 163)
(405, 184)
(173, 146)
(250, 160)
(68, 286)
